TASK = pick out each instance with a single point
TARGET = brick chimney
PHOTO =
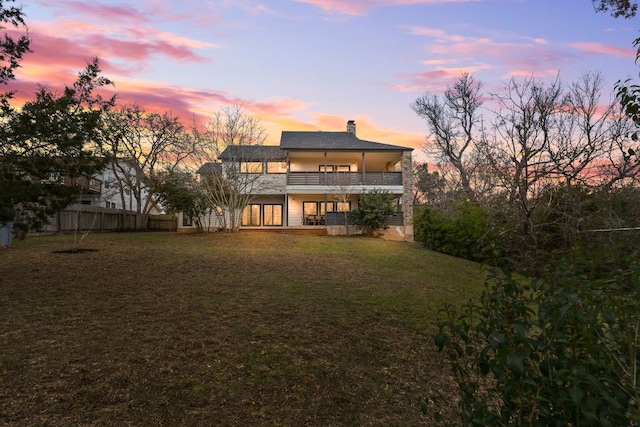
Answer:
(351, 127)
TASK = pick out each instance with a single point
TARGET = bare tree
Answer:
(143, 144)
(518, 149)
(341, 191)
(621, 166)
(583, 131)
(455, 127)
(230, 126)
(235, 140)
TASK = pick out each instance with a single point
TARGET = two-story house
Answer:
(312, 178)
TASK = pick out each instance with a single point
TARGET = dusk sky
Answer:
(314, 64)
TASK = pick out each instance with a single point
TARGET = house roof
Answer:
(334, 141)
(209, 168)
(250, 153)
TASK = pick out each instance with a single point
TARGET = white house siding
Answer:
(110, 196)
(209, 222)
(295, 211)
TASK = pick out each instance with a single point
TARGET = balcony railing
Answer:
(338, 218)
(85, 185)
(343, 179)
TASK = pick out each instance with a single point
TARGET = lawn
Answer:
(266, 329)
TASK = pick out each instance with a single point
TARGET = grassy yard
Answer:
(229, 330)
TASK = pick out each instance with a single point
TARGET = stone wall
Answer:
(407, 195)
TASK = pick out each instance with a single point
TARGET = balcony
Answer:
(85, 185)
(343, 179)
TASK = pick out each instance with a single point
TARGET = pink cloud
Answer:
(99, 11)
(455, 54)
(435, 80)
(603, 49)
(121, 55)
(436, 33)
(430, 81)
(153, 11)
(137, 50)
(277, 107)
(360, 7)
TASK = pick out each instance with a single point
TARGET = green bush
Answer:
(373, 211)
(560, 351)
(601, 223)
(466, 231)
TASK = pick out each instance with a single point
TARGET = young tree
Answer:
(48, 140)
(341, 190)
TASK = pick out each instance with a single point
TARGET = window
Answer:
(276, 167)
(327, 207)
(251, 167)
(187, 221)
(335, 168)
(272, 214)
(344, 206)
(310, 208)
(251, 215)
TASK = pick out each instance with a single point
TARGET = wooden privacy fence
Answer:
(98, 219)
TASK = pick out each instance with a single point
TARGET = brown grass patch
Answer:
(235, 330)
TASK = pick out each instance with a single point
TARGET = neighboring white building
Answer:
(312, 178)
(106, 190)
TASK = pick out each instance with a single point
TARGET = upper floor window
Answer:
(276, 167)
(335, 168)
(343, 206)
(251, 167)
